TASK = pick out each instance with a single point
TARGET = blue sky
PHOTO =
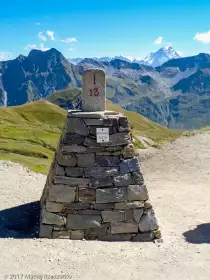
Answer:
(104, 28)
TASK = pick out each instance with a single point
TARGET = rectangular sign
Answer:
(102, 135)
(102, 130)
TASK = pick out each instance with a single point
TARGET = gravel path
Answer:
(178, 179)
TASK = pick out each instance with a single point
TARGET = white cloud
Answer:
(158, 41)
(203, 37)
(71, 49)
(5, 56)
(42, 37)
(51, 35)
(30, 47)
(69, 40)
(42, 47)
(38, 23)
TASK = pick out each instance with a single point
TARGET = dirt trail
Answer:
(178, 179)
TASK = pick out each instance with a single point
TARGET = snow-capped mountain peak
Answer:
(161, 56)
(154, 58)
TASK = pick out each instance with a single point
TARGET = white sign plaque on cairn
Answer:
(102, 135)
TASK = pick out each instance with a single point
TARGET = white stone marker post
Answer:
(93, 91)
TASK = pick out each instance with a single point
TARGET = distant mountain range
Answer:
(175, 94)
(154, 59)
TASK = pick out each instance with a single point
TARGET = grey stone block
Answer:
(116, 237)
(73, 139)
(59, 170)
(124, 227)
(137, 214)
(137, 192)
(77, 206)
(138, 178)
(95, 150)
(108, 160)
(61, 234)
(66, 160)
(60, 193)
(89, 212)
(129, 215)
(108, 153)
(94, 233)
(74, 172)
(111, 195)
(143, 237)
(45, 231)
(73, 149)
(100, 172)
(148, 222)
(76, 125)
(54, 207)
(123, 128)
(86, 160)
(77, 234)
(83, 221)
(147, 205)
(129, 205)
(113, 216)
(129, 151)
(70, 181)
(114, 149)
(102, 182)
(104, 206)
(86, 115)
(87, 195)
(123, 121)
(111, 121)
(53, 219)
(90, 142)
(94, 122)
(129, 165)
(123, 180)
(118, 139)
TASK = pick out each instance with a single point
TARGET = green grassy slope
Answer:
(29, 133)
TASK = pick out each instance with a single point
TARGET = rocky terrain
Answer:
(180, 197)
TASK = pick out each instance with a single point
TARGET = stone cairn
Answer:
(95, 189)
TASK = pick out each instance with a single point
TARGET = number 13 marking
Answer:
(94, 92)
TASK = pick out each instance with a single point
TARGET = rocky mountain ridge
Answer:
(153, 59)
(175, 94)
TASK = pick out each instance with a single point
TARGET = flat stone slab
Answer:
(53, 219)
(122, 227)
(148, 222)
(70, 181)
(62, 193)
(137, 192)
(129, 165)
(111, 195)
(101, 172)
(93, 115)
(77, 126)
(113, 216)
(83, 221)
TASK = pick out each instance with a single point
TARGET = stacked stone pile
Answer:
(96, 190)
